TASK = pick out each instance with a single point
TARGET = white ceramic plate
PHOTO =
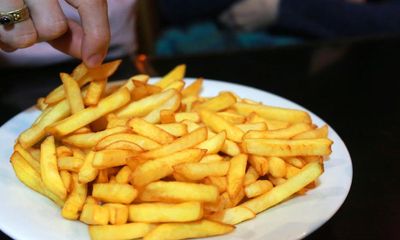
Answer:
(25, 214)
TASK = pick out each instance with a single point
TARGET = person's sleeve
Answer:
(335, 18)
(185, 11)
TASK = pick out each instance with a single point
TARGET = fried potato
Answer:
(321, 132)
(88, 115)
(174, 75)
(165, 212)
(151, 131)
(72, 92)
(198, 171)
(287, 148)
(143, 142)
(117, 213)
(120, 232)
(281, 192)
(236, 173)
(87, 172)
(257, 188)
(94, 214)
(214, 144)
(221, 102)
(197, 229)
(111, 158)
(49, 170)
(218, 124)
(273, 113)
(76, 199)
(178, 192)
(95, 91)
(193, 89)
(233, 216)
(285, 133)
(114, 192)
(88, 140)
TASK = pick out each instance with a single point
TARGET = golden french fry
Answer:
(260, 164)
(221, 102)
(283, 191)
(87, 172)
(214, 144)
(178, 192)
(232, 117)
(218, 124)
(175, 129)
(66, 177)
(273, 113)
(143, 142)
(72, 92)
(191, 116)
(285, 133)
(233, 215)
(197, 229)
(94, 92)
(28, 157)
(88, 115)
(291, 171)
(165, 212)
(260, 126)
(171, 104)
(118, 213)
(220, 182)
(105, 70)
(37, 132)
(271, 124)
(124, 145)
(321, 132)
(94, 214)
(193, 89)
(145, 105)
(123, 175)
(198, 171)
(257, 188)
(26, 173)
(277, 167)
(182, 143)
(114, 192)
(153, 170)
(49, 170)
(76, 199)
(236, 173)
(120, 232)
(178, 85)
(295, 161)
(287, 148)
(151, 131)
(174, 75)
(72, 164)
(111, 158)
(88, 140)
(211, 158)
(230, 148)
(251, 176)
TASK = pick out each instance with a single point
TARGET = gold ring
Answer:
(16, 16)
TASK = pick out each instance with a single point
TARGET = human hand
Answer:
(47, 23)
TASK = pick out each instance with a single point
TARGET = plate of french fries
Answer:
(167, 158)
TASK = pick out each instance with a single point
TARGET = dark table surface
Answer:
(351, 84)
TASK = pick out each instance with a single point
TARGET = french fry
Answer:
(114, 192)
(145, 105)
(287, 148)
(165, 212)
(88, 140)
(76, 199)
(94, 214)
(37, 132)
(197, 229)
(233, 216)
(198, 171)
(28, 157)
(153, 170)
(123, 175)
(66, 178)
(94, 92)
(260, 164)
(151, 131)
(182, 143)
(124, 145)
(257, 188)
(111, 158)
(171, 104)
(252, 127)
(281, 192)
(321, 132)
(177, 192)
(251, 176)
(26, 173)
(72, 164)
(88, 115)
(214, 144)
(193, 89)
(117, 213)
(236, 173)
(273, 113)
(285, 133)
(49, 170)
(219, 103)
(218, 124)
(120, 232)
(232, 117)
(220, 182)
(191, 116)
(87, 172)
(277, 167)
(178, 85)
(174, 75)
(211, 158)
(143, 142)
(175, 129)
(253, 117)
(72, 92)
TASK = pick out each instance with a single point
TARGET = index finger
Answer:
(96, 30)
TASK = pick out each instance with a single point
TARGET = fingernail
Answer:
(94, 60)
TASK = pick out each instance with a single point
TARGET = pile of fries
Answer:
(159, 161)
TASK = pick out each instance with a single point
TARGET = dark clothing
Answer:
(316, 18)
